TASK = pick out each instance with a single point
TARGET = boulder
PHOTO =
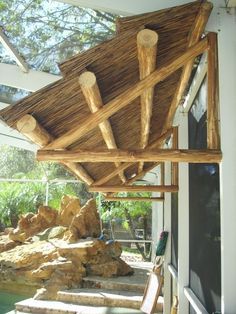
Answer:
(85, 224)
(7, 244)
(39, 253)
(50, 233)
(31, 224)
(113, 268)
(99, 258)
(70, 207)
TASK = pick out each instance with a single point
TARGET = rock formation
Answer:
(39, 253)
(31, 224)
(85, 224)
(70, 207)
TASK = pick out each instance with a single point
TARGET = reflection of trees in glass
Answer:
(46, 32)
(19, 198)
(10, 95)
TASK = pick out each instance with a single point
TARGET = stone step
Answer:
(110, 298)
(110, 284)
(45, 307)
(55, 307)
(136, 282)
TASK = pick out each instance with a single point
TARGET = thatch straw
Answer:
(61, 106)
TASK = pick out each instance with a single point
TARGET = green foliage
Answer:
(46, 32)
(14, 160)
(117, 209)
(19, 198)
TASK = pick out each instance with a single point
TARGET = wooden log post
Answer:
(158, 155)
(175, 165)
(147, 51)
(194, 36)
(162, 172)
(213, 138)
(90, 89)
(30, 127)
(134, 199)
(134, 188)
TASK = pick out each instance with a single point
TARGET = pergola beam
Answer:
(134, 199)
(134, 188)
(175, 165)
(127, 97)
(118, 155)
(196, 83)
(30, 127)
(213, 137)
(147, 51)
(113, 173)
(198, 28)
(156, 143)
(140, 175)
(90, 89)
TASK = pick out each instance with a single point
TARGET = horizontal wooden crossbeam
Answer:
(134, 199)
(156, 143)
(121, 101)
(134, 188)
(157, 155)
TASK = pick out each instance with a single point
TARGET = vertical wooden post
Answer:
(162, 172)
(175, 165)
(213, 138)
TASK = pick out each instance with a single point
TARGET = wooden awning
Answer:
(119, 98)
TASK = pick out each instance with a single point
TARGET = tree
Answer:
(19, 198)
(133, 214)
(46, 32)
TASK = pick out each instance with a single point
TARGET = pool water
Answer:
(8, 300)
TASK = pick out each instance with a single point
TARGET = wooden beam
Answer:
(196, 83)
(141, 174)
(213, 138)
(158, 142)
(147, 51)
(113, 173)
(90, 89)
(79, 171)
(135, 199)
(158, 155)
(161, 140)
(175, 165)
(30, 127)
(134, 188)
(127, 97)
(195, 35)
(162, 172)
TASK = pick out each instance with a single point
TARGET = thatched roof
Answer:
(61, 106)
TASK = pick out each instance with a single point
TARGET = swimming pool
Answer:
(7, 301)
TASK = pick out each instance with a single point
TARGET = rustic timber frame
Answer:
(133, 162)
